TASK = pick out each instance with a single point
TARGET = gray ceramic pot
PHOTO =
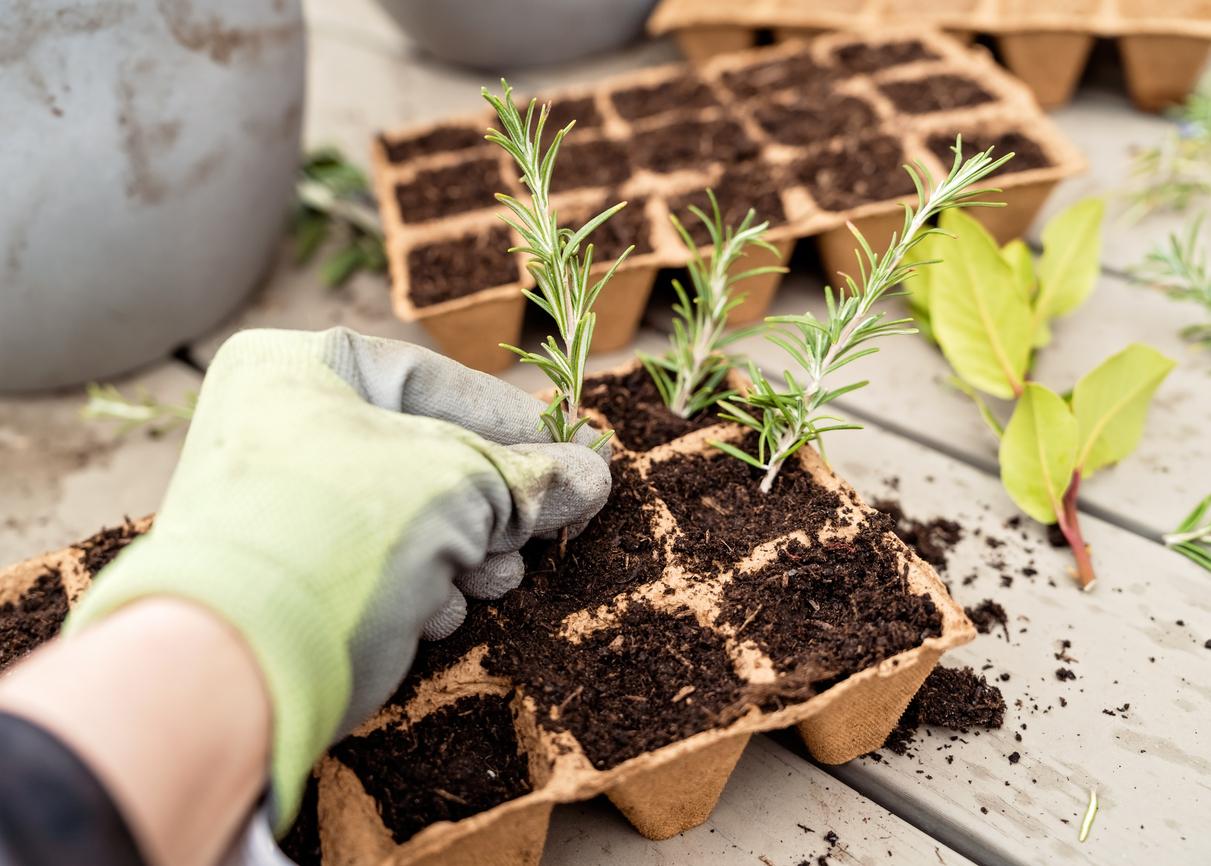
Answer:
(508, 34)
(147, 158)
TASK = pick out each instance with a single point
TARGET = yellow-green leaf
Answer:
(919, 285)
(1038, 452)
(980, 319)
(1072, 249)
(1111, 401)
(1021, 262)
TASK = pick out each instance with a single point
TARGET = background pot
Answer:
(148, 160)
(503, 34)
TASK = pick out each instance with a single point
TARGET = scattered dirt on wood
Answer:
(988, 614)
(444, 270)
(931, 539)
(32, 619)
(957, 698)
(634, 406)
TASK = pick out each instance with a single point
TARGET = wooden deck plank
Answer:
(776, 811)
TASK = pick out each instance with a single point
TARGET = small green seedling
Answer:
(1179, 268)
(107, 403)
(331, 192)
(1192, 538)
(691, 375)
(1177, 172)
(787, 419)
(561, 271)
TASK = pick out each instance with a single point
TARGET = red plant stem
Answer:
(1071, 527)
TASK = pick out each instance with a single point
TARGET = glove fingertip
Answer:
(447, 620)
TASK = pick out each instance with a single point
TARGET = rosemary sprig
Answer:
(332, 192)
(1192, 538)
(107, 403)
(1179, 268)
(690, 374)
(561, 272)
(786, 420)
(1177, 171)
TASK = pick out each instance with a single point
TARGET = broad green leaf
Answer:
(930, 248)
(980, 319)
(1072, 249)
(1021, 262)
(1038, 452)
(1111, 401)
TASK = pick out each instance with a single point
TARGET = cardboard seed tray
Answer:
(771, 128)
(1163, 43)
(662, 791)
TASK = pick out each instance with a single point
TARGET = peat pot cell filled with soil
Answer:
(443, 139)
(799, 72)
(746, 186)
(583, 110)
(809, 121)
(590, 163)
(677, 94)
(935, 93)
(442, 192)
(458, 761)
(692, 144)
(638, 414)
(855, 172)
(862, 58)
(444, 270)
(1027, 152)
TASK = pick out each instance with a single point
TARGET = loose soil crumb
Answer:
(102, 548)
(931, 539)
(302, 843)
(634, 406)
(1064, 675)
(470, 745)
(32, 619)
(957, 698)
(987, 614)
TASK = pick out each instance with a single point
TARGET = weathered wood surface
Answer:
(776, 811)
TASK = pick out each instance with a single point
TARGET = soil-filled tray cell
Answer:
(862, 58)
(935, 93)
(800, 72)
(460, 760)
(737, 190)
(444, 270)
(692, 145)
(443, 192)
(685, 93)
(809, 121)
(582, 109)
(634, 406)
(855, 172)
(1027, 152)
(443, 139)
(590, 164)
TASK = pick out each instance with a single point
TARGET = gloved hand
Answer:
(334, 494)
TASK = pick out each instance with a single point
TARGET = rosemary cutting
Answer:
(333, 193)
(690, 375)
(788, 419)
(1179, 268)
(1192, 538)
(107, 403)
(1171, 175)
(561, 272)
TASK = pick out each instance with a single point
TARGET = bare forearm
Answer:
(166, 705)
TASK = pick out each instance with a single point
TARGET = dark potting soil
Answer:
(845, 604)
(677, 94)
(809, 121)
(935, 93)
(445, 270)
(723, 516)
(987, 615)
(931, 539)
(740, 188)
(691, 144)
(957, 698)
(441, 192)
(799, 72)
(1027, 152)
(563, 111)
(443, 139)
(590, 163)
(861, 58)
(100, 549)
(32, 619)
(854, 172)
(469, 745)
(640, 418)
(626, 228)
(302, 843)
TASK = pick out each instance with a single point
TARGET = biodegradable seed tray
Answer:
(811, 135)
(1163, 43)
(641, 677)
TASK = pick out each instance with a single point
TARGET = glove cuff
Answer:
(305, 666)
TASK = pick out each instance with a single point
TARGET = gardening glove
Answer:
(334, 495)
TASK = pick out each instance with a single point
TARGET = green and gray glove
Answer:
(334, 495)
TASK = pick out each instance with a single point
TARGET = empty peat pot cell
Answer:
(935, 93)
(591, 163)
(815, 119)
(447, 138)
(1027, 153)
(854, 172)
(444, 270)
(692, 144)
(637, 413)
(746, 186)
(861, 58)
(842, 604)
(797, 71)
(683, 93)
(458, 761)
(441, 192)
